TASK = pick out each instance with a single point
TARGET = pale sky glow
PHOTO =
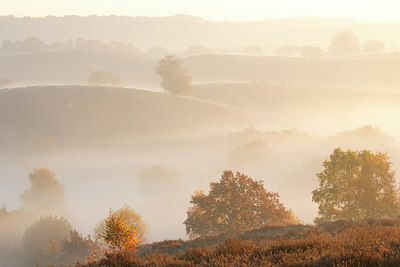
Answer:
(376, 11)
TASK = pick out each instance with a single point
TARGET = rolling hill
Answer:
(373, 72)
(74, 67)
(377, 72)
(79, 114)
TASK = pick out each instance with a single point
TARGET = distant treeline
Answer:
(33, 44)
(181, 31)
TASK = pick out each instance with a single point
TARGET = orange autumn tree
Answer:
(235, 203)
(118, 234)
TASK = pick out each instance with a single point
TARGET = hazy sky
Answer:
(381, 11)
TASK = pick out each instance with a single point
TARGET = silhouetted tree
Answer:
(356, 185)
(253, 50)
(373, 46)
(288, 50)
(235, 203)
(42, 240)
(33, 44)
(197, 50)
(156, 179)
(311, 52)
(46, 194)
(75, 248)
(344, 43)
(174, 79)
(104, 78)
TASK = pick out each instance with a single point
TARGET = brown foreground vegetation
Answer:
(367, 243)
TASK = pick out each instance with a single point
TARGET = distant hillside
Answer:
(263, 97)
(372, 73)
(75, 67)
(181, 31)
(78, 114)
(377, 73)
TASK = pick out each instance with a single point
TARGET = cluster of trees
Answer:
(354, 186)
(33, 44)
(345, 43)
(52, 240)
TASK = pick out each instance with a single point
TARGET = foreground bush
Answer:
(332, 244)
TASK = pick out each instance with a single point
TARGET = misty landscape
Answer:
(203, 142)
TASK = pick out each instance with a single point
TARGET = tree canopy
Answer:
(235, 203)
(130, 218)
(174, 79)
(43, 239)
(45, 195)
(344, 43)
(104, 78)
(118, 234)
(356, 185)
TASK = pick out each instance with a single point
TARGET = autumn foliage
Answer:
(235, 203)
(367, 243)
(119, 235)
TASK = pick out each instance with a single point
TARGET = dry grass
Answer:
(333, 244)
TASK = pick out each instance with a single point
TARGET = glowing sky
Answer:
(379, 11)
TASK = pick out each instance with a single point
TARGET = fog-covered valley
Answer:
(123, 139)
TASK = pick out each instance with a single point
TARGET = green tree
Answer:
(174, 79)
(235, 203)
(356, 185)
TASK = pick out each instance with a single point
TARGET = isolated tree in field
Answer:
(356, 185)
(311, 52)
(174, 79)
(104, 78)
(373, 46)
(131, 218)
(46, 194)
(344, 43)
(235, 203)
(119, 235)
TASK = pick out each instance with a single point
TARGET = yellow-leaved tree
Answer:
(119, 235)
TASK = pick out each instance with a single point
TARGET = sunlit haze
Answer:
(219, 10)
(129, 128)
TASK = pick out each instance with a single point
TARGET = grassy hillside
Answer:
(250, 96)
(67, 67)
(332, 244)
(90, 114)
(374, 72)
